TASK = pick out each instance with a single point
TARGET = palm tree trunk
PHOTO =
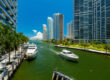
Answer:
(9, 57)
(15, 53)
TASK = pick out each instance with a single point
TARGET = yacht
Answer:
(68, 55)
(31, 51)
(26, 45)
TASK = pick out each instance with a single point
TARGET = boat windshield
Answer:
(31, 48)
(69, 52)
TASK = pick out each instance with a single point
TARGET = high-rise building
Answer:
(44, 32)
(70, 30)
(92, 19)
(8, 12)
(58, 26)
(49, 28)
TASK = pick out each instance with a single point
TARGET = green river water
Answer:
(90, 66)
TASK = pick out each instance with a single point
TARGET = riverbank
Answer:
(82, 49)
(7, 69)
(88, 68)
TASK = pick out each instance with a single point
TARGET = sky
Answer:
(32, 14)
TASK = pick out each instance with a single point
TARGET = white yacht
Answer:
(26, 45)
(68, 55)
(31, 51)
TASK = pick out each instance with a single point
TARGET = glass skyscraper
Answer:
(92, 20)
(49, 28)
(70, 30)
(8, 12)
(58, 26)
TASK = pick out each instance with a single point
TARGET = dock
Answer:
(59, 76)
(8, 70)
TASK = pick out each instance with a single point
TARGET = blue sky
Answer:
(33, 13)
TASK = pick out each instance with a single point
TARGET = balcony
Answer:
(11, 2)
(12, 15)
(2, 16)
(9, 6)
(2, 3)
(6, 14)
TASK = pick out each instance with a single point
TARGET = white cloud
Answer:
(35, 31)
(39, 36)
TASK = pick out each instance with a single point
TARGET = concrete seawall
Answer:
(88, 50)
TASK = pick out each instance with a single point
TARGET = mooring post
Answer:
(57, 77)
(62, 78)
(53, 76)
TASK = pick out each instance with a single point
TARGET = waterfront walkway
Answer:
(6, 69)
(5, 58)
(89, 50)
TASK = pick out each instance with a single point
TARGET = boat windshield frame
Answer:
(67, 52)
(31, 48)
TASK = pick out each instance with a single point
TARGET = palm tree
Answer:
(16, 44)
(2, 39)
(10, 39)
(106, 47)
(9, 45)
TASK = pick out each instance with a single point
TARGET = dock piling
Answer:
(60, 76)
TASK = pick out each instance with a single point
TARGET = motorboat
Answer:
(31, 51)
(68, 55)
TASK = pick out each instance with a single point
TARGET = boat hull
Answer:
(32, 56)
(68, 58)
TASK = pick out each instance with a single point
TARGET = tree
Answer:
(84, 44)
(107, 47)
(10, 39)
(16, 42)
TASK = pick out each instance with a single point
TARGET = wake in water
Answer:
(56, 52)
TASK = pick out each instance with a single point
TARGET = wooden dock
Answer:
(59, 76)
(9, 69)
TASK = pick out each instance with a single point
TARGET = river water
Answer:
(90, 66)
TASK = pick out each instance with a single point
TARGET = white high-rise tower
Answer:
(49, 28)
(44, 32)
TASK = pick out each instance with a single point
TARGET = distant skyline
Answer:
(33, 14)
